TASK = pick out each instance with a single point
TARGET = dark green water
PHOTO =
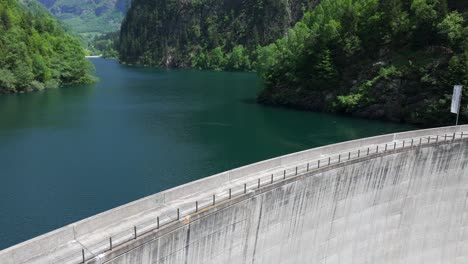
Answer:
(69, 153)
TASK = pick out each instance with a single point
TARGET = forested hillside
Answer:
(89, 16)
(209, 34)
(35, 52)
(386, 59)
(390, 59)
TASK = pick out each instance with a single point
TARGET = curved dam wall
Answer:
(404, 204)
(407, 207)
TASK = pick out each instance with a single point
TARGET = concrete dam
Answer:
(396, 198)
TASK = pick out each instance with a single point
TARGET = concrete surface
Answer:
(406, 205)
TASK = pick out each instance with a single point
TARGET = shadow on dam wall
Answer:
(403, 207)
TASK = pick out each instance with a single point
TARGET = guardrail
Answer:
(312, 160)
(307, 167)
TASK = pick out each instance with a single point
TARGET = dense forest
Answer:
(209, 34)
(390, 59)
(385, 59)
(35, 51)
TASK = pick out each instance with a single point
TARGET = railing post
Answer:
(272, 180)
(284, 175)
(412, 141)
(445, 139)
(377, 149)
(394, 145)
(420, 141)
(454, 134)
(157, 220)
(428, 139)
(437, 139)
(385, 147)
(358, 153)
(403, 144)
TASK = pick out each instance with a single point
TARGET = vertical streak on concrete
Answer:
(404, 207)
(256, 232)
(187, 243)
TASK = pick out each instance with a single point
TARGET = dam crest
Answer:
(396, 198)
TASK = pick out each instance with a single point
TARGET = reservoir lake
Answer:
(69, 153)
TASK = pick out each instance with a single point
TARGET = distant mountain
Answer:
(89, 16)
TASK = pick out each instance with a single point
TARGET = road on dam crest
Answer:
(396, 198)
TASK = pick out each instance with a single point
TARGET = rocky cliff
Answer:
(203, 33)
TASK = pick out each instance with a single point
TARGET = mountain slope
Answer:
(89, 16)
(35, 52)
(386, 59)
(213, 34)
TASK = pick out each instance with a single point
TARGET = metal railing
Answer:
(240, 189)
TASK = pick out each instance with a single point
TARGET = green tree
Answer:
(217, 59)
(325, 67)
(425, 10)
(35, 52)
(238, 59)
(5, 19)
(458, 70)
(452, 29)
(7, 80)
(394, 23)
